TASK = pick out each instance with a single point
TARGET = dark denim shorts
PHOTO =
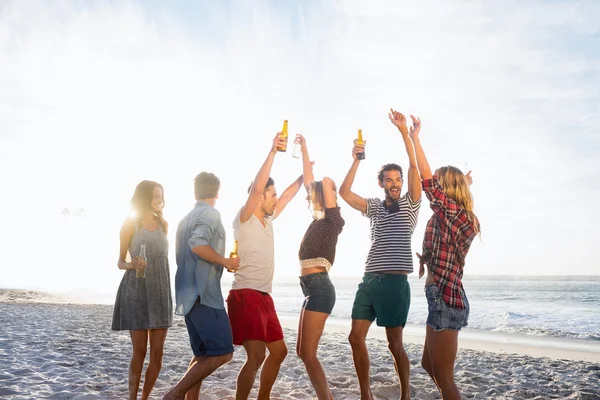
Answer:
(441, 315)
(318, 291)
(209, 331)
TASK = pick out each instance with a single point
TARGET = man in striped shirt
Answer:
(384, 293)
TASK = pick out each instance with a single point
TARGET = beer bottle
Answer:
(234, 252)
(141, 273)
(360, 156)
(284, 135)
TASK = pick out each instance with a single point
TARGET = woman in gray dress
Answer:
(144, 306)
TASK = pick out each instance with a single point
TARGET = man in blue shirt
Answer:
(200, 246)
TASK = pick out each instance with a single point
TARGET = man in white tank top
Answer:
(250, 307)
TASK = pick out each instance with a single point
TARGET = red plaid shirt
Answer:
(448, 237)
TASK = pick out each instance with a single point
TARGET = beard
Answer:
(391, 196)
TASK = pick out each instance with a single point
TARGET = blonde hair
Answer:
(456, 187)
(316, 199)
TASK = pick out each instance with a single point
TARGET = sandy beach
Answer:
(67, 351)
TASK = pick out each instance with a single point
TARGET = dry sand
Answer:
(67, 351)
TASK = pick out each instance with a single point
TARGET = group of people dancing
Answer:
(144, 301)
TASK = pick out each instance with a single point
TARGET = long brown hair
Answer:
(456, 187)
(142, 200)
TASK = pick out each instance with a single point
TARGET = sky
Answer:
(97, 96)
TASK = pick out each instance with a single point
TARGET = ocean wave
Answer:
(537, 331)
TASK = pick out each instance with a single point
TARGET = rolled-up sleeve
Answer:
(205, 227)
(444, 207)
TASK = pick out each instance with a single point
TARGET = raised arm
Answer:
(329, 193)
(287, 196)
(414, 183)
(307, 165)
(444, 208)
(260, 181)
(422, 163)
(355, 201)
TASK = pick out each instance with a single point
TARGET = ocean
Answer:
(556, 306)
(535, 305)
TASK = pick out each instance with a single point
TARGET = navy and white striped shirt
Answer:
(391, 231)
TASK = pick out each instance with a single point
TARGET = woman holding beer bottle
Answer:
(144, 305)
(317, 254)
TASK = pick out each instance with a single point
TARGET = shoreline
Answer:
(479, 340)
(499, 342)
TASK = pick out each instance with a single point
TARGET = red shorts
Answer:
(252, 316)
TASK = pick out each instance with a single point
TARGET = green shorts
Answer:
(383, 296)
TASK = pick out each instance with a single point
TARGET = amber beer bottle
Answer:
(284, 135)
(360, 156)
(234, 252)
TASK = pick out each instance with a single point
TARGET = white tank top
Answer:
(256, 249)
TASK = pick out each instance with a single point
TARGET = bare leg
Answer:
(308, 338)
(277, 353)
(360, 354)
(443, 346)
(200, 368)
(401, 362)
(426, 362)
(255, 356)
(194, 392)
(157, 344)
(139, 341)
(300, 321)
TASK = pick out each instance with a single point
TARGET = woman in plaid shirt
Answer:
(448, 236)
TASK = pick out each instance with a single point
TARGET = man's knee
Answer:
(396, 346)
(395, 343)
(225, 358)
(280, 354)
(356, 339)
(256, 358)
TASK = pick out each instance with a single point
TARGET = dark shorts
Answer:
(253, 317)
(209, 331)
(383, 296)
(441, 316)
(318, 291)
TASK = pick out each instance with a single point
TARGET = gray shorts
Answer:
(441, 316)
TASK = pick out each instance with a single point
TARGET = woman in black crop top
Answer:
(317, 254)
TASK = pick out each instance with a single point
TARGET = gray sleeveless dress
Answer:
(146, 303)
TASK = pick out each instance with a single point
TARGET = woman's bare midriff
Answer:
(312, 270)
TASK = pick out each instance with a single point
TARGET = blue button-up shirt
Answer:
(195, 276)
